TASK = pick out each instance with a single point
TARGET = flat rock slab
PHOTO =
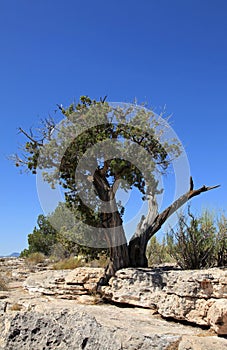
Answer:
(44, 322)
(198, 296)
(65, 284)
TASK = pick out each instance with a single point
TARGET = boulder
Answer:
(199, 296)
(65, 284)
(63, 330)
(73, 330)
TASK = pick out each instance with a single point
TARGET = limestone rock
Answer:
(193, 296)
(140, 287)
(56, 330)
(65, 284)
(18, 269)
(217, 316)
(203, 343)
(73, 330)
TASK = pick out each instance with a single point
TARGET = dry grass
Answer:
(101, 262)
(36, 258)
(74, 262)
(70, 263)
(16, 307)
(3, 285)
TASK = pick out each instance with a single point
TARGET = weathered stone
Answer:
(210, 283)
(194, 296)
(62, 330)
(183, 295)
(66, 284)
(202, 343)
(217, 316)
(73, 329)
(84, 275)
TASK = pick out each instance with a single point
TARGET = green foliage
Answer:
(55, 236)
(85, 124)
(41, 239)
(158, 253)
(199, 242)
(221, 241)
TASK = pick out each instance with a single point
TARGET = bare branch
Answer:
(162, 217)
(30, 137)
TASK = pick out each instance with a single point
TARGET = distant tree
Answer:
(55, 236)
(86, 124)
(42, 238)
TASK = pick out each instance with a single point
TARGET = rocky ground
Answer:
(44, 309)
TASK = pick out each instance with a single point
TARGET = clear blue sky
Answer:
(171, 53)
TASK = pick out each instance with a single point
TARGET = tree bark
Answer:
(147, 229)
(134, 254)
(138, 243)
(112, 228)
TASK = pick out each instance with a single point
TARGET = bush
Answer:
(221, 241)
(199, 242)
(41, 239)
(158, 253)
(61, 243)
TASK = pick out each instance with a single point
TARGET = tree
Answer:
(102, 144)
(42, 238)
(54, 236)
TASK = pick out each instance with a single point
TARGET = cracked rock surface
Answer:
(45, 309)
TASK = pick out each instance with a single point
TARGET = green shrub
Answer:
(193, 242)
(61, 242)
(221, 241)
(158, 253)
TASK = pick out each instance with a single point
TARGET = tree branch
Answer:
(161, 218)
(30, 137)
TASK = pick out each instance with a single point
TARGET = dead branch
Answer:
(161, 218)
(30, 137)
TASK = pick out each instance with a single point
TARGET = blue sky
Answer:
(171, 53)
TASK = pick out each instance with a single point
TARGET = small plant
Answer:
(221, 241)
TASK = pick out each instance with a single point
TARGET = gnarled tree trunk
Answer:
(134, 254)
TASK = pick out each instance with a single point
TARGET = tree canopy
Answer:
(96, 149)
